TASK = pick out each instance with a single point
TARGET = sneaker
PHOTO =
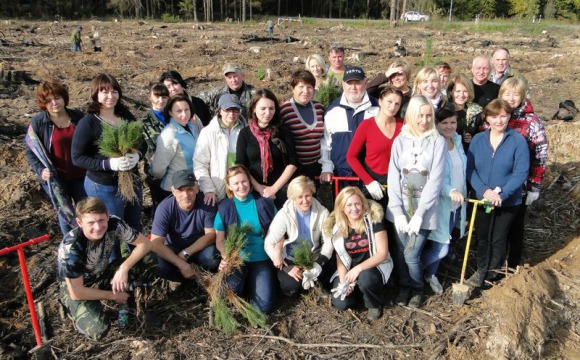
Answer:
(403, 296)
(476, 280)
(416, 299)
(435, 284)
(374, 314)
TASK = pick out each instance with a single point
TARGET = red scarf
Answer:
(263, 136)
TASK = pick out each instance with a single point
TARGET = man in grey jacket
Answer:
(235, 84)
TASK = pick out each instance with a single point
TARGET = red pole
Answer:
(29, 297)
(19, 249)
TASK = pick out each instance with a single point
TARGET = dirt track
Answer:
(529, 315)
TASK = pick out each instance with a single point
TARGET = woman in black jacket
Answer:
(48, 149)
(102, 180)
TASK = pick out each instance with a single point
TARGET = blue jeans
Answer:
(255, 281)
(75, 190)
(130, 212)
(408, 258)
(208, 258)
(432, 255)
(434, 251)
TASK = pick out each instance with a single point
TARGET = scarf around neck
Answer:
(263, 136)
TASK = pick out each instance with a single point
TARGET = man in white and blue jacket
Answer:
(341, 120)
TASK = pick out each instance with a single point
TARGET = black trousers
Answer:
(516, 237)
(492, 233)
(369, 284)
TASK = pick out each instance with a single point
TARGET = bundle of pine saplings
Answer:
(120, 141)
(223, 300)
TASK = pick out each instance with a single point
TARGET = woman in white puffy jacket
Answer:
(300, 219)
(216, 148)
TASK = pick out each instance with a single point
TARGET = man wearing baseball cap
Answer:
(182, 230)
(341, 120)
(215, 150)
(235, 84)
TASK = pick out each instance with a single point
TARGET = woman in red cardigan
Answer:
(375, 136)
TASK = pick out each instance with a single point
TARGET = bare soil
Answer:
(533, 313)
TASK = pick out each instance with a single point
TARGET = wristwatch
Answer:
(185, 254)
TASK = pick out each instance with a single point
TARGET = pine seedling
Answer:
(223, 316)
(221, 296)
(302, 254)
(119, 141)
(327, 93)
(410, 196)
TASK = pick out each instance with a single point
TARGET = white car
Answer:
(415, 16)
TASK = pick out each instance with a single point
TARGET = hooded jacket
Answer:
(417, 162)
(331, 234)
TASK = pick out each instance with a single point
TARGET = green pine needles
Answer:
(224, 302)
(327, 92)
(119, 141)
(302, 254)
(410, 198)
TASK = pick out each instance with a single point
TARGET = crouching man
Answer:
(90, 266)
(182, 232)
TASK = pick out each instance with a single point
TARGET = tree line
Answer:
(220, 10)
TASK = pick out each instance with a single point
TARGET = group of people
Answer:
(234, 155)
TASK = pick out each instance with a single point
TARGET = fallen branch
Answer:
(335, 345)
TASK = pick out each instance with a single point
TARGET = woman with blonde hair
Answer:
(469, 121)
(316, 65)
(416, 173)
(299, 220)
(357, 233)
(255, 279)
(427, 83)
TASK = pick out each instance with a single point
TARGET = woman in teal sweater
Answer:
(255, 279)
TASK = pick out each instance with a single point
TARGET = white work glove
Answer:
(118, 164)
(531, 197)
(375, 189)
(401, 224)
(132, 160)
(307, 282)
(310, 276)
(415, 225)
(342, 289)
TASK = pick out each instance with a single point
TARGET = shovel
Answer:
(461, 291)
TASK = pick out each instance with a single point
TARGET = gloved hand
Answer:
(307, 281)
(118, 163)
(342, 290)
(310, 276)
(401, 224)
(375, 189)
(415, 225)
(132, 160)
(531, 197)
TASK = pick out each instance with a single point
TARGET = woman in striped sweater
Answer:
(304, 118)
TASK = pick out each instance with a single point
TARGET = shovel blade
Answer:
(460, 293)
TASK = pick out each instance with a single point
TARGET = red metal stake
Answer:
(19, 249)
(29, 297)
